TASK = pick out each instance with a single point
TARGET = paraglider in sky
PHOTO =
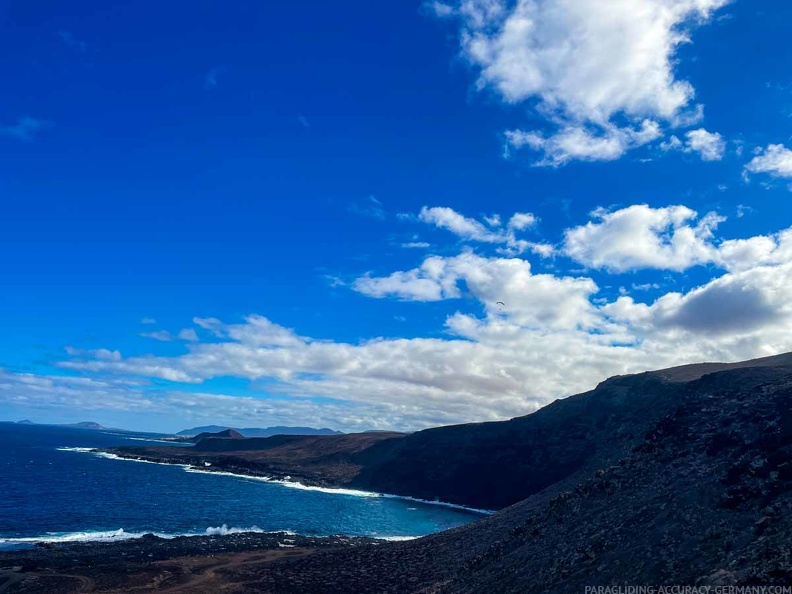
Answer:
(500, 305)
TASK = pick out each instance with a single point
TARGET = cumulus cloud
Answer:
(643, 237)
(775, 160)
(535, 300)
(669, 238)
(587, 66)
(710, 146)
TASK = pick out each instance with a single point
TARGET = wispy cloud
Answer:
(76, 44)
(471, 230)
(188, 334)
(210, 78)
(25, 128)
(371, 207)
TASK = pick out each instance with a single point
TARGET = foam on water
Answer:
(120, 535)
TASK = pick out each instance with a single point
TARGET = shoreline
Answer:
(286, 481)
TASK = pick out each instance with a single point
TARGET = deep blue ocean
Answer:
(56, 494)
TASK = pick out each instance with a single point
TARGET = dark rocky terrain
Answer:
(682, 476)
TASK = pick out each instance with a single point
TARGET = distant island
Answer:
(257, 431)
(81, 425)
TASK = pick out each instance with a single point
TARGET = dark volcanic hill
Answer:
(227, 434)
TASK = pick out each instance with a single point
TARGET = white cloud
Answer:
(585, 65)
(148, 321)
(522, 220)
(670, 238)
(463, 227)
(472, 230)
(580, 143)
(430, 282)
(212, 325)
(642, 237)
(63, 396)
(161, 335)
(775, 160)
(416, 245)
(439, 9)
(493, 220)
(188, 334)
(102, 354)
(536, 300)
(709, 145)
(744, 254)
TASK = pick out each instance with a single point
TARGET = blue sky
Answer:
(262, 213)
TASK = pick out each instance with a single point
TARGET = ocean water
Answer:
(51, 489)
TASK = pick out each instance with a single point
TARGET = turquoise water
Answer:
(54, 490)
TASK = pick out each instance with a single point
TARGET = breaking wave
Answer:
(120, 535)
